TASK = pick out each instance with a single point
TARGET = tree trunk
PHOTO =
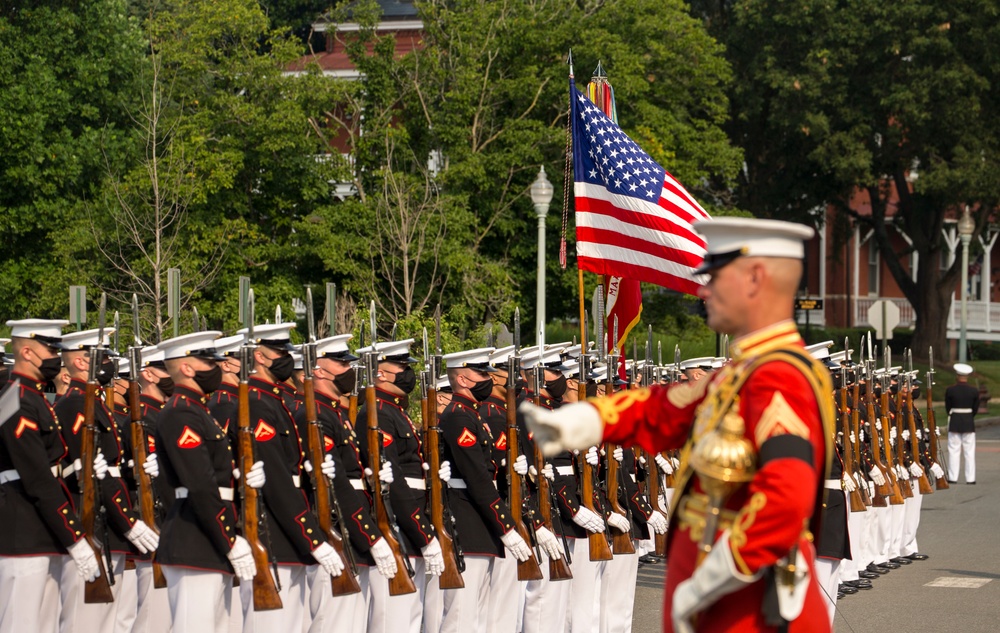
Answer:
(932, 323)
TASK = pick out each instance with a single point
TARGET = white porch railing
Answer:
(982, 316)
(907, 317)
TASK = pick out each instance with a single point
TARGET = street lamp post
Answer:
(541, 196)
(966, 226)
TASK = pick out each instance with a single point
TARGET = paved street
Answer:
(958, 530)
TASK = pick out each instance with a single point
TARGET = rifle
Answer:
(904, 483)
(147, 506)
(97, 591)
(529, 569)
(558, 569)
(922, 482)
(857, 502)
(941, 482)
(265, 590)
(109, 391)
(881, 490)
(346, 583)
(352, 399)
(896, 497)
(401, 583)
(856, 444)
(659, 540)
(451, 577)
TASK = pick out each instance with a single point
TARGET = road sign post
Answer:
(883, 316)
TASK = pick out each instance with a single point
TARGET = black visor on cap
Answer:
(346, 357)
(485, 368)
(51, 341)
(208, 353)
(714, 261)
(402, 359)
(278, 344)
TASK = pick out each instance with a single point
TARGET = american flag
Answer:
(633, 219)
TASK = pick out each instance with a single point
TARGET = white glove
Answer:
(328, 557)
(664, 464)
(548, 472)
(256, 477)
(906, 435)
(849, 485)
(588, 520)
(642, 460)
(521, 465)
(618, 454)
(920, 434)
(151, 466)
(241, 558)
(100, 466)
(861, 434)
(444, 472)
(619, 522)
(516, 545)
(549, 543)
(901, 472)
(385, 474)
(916, 470)
(877, 476)
(657, 522)
(575, 426)
(871, 488)
(878, 425)
(716, 577)
(892, 434)
(937, 470)
(593, 457)
(937, 431)
(385, 562)
(306, 466)
(433, 558)
(85, 559)
(676, 462)
(854, 439)
(144, 538)
(328, 468)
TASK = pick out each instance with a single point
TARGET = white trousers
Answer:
(883, 528)
(334, 614)
(467, 609)
(200, 601)
(897, 514)
(617, 597)
(29, 592)
(870, 530)
(292, 579)
(962, 445)
(504, 597)
(546, 602)
(827, 575)
(911, 520)
(90, 618)
(153, 608)
(128, 602)
(397, 614)
(584, 615)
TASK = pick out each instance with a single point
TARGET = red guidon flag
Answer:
(633, 219)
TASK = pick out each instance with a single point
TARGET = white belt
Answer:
(833, 484)
(564, 470)
(459, 484)
(115, 471)
(960, 411)
(225, 493)
(72, 468)
(357, 484)
(297, 481)
(12, 475)
(416, 483)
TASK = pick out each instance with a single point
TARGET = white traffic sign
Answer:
(883, 316)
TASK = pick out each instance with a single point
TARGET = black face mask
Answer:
(106, 373)
(50, 368)
(894, 389)
(166, 386)
(557, 387)
(862, 389)
(915, 393)
(406, 380)
(482, 389)
(591, 389)
(282, 367)
(208, 380)
(345, 382)
(519, 384)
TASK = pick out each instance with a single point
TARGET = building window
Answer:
(873, 266)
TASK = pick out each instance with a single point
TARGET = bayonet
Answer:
(114, 334)
(517, 331)
(310, 318)
(372, 324)
(197, 321)
(614, 347)
(437, 330)
(427, 355)
(277, 313)
(137, 338)
(392, 334)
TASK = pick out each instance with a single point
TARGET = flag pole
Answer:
(567, 179)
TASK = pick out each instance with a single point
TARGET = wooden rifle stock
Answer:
(621, 542)
(558, 569)
(856, 446)
(659, 540)
(265, 591)
(451, 577)
(147, 507)
(923, 483)
(99, 590)
(896, 496)
(401, 583)
(346, 583)
(941, 483)
(529, 569)
(904, 483)
(599, 548)
(884, 490)
(856, 500)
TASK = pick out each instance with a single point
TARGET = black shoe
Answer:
(841, 595)
(902, 560)
(918, 556)
(971, 483)
(859, 584)
(877, 569)
(850, 591)
(868, 575)
(951, 482)
(646, 559)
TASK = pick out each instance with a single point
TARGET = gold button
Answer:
(309, 531)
